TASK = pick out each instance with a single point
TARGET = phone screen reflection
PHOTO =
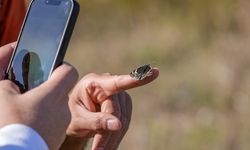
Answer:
(27, 74)
(39, 43)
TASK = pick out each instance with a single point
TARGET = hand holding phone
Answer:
(42, 42)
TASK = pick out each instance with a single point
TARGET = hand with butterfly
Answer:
(101, 108)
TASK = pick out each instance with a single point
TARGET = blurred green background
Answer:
(202, 47)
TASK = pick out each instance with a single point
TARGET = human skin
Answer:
(44, 108)
(104, 138)
(94, 101)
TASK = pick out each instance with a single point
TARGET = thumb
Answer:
(98, 121)
(59, 84)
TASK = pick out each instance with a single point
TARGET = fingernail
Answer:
(99, 148)
(113, 124)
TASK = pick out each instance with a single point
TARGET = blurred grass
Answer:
(201, 99)
(201, 48)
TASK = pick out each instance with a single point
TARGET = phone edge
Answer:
(67, 36)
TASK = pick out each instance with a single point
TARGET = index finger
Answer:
(100, 87)
(125, 82)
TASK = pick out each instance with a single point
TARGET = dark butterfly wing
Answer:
(141, 72)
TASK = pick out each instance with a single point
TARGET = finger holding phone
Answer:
(40, 108)
(36, 66)
(42, 42)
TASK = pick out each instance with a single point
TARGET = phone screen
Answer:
(39, 42)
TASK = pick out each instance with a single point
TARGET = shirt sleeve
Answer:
(20, 137)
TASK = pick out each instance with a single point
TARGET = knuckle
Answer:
(67, 66)
(97, 125)
(90, 85)
(9, 85)
(91, 75)
(116, 80)
(69, 71)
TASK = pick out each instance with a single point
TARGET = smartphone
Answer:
(42, 42)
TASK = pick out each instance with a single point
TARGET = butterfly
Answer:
(142, 72)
